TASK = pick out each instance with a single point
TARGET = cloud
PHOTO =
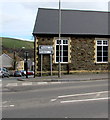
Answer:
(16, 13)
(86, 6)
(93, 5)
(7, 18)
(35, 5)
(47, 1)
(18, 16)
(16, 20)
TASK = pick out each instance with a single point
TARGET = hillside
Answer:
(9, 45)
(16, 43)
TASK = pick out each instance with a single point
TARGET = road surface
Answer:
(86, 99)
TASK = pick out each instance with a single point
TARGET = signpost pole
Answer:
(46, 49)
(41, 65)
(51, 63)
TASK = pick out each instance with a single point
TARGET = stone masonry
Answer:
(82, 56)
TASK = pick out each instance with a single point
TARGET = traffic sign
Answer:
(45, 49)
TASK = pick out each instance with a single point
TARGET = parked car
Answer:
(23, 72)
(4, 72)
(28, 72)
(11, 73)
(17, 74)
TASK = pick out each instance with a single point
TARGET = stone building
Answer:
(84, 40)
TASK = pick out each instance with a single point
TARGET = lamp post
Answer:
(59, 64)
(26, 64)
(14, 60)
(34, 56)
(14, 56)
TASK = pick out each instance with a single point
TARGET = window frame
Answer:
(62, 44)
(102, 45)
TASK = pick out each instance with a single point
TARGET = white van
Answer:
(4, 72)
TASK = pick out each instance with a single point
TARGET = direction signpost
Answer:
(46, 49)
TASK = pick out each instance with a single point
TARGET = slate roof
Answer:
(74, 22)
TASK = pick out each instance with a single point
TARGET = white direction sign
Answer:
(45, 49)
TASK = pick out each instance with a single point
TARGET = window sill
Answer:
(101, 62)
(62, 63)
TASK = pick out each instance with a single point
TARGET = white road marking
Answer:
(27, 83)
(12, 84)
(42, 83)
(84, 100)
(52, 100)
(55, 82)
(64, 96)
(4, 106)
(11, 105)
(4, 102)
(97, 95)
(66, 117)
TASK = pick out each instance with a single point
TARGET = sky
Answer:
(17, 17)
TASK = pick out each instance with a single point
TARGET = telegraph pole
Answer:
(59, 64)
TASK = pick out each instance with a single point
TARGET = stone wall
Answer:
(83, 52)
(82, 55)
(46, 58)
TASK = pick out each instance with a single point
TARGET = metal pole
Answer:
(26, 65)
(51, 63)
(14, 57)
(59, 66)
(41, 65)
(34, 56)
(14, 60)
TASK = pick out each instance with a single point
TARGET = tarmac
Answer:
(44, 80)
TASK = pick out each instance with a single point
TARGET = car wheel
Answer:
(8, 76)
(3, 76)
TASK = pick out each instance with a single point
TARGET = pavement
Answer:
(54, 79)
(72, 77)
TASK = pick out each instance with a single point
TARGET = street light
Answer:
(15, 57)
(26, 53)
(34, 56)
(21, 49)
(59, 64)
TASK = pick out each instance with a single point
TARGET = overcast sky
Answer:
(18, 16)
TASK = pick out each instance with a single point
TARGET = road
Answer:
(86, 99)
(13, 79)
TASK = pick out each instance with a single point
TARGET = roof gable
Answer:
(5, 55)
(73, 22)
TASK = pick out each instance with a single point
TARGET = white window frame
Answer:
(62, 39)
(101, 44)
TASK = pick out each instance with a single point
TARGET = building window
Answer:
(63, 51)
(102, 51)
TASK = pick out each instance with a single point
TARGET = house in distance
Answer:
(84, 40)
